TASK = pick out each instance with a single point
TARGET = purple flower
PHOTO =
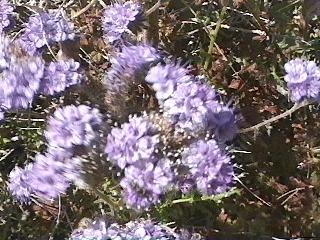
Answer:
(48, 176)
(119, 18)
(19, 183)
(60, 75)
(132, 61)
(194, 107)
(209, 166)
(303, 79)
(134, 142)
(95, 231)
(6, 12)
(51, 174)
(165, 79)
(20, 82)
(139, 229)
(6, 52)
(144, 186)
(72, 125)
(46, 28)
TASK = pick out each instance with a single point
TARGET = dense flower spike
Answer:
(194, 107)
(144, 186)
(72, 125)
(140, 229)
(46, 28)
(51, 174)
(19, 183)
(165, 78)
(303, 78)
(6, 11)
(209, 166)
(20, 82)
(127, 72)
(60, 75)
(48, 177)
(134, 142)
(119, 18)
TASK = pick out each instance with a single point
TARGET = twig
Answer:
(153, 8)
(295, 107)
(112, 205)
(213, 36)
(255, 195)
(6, 155)
(83, 10)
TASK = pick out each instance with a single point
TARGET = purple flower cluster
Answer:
(209, 167)
(6, 52)
(135, 147)
(47, 177)
(191, 104)
(20, 82)
(134, 142)
(119, 18)
(46, 28)
(72, 125)
(60, 75)
(165, 78)
(132, 61)
(6, 12)
(134, 230)
(303, 79)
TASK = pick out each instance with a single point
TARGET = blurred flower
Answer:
(6, 11)
(209, 166)
(120, 18)
(60, 75)
(128, 70)
(6, 52)
(134, 142)
(48, 176)
(303, 79)
(194, 107)
(19, 183)
(165, 78)
(72, 125)
(52, 173)
(44, 28)
(95, 231)
(145, 185)
(140, 229)
(20, 82)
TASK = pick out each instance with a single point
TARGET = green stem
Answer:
(213, 36)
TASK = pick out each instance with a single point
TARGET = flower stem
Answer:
(295, 107)
(213, 36)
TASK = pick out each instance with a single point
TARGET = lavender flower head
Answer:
(303, 79)
(60, 75)
(48, 177)
(46, 28)
(6, 12)
(194, 107)
(209, 166)
(134, 142)
(164, 79)
(95, 231)
(130, 62)
(140, 229)
(119, 18)
(19, 183)
(145, 186)
(51, 174)
(20, 82)
(72, 125)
